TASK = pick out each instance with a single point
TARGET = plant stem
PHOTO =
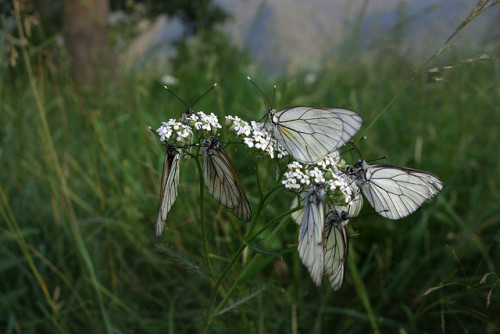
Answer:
(64, 189)
(202, 220)
(362, 293)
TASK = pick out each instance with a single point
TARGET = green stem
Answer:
(202, 220)
(63, 186)
(272, 222)
(253, 266)
(259, 187)
(218, 284)
(236, 256)
(362, 293)
(362, 134)
(264, 200)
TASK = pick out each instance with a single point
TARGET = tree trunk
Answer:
(85, 23)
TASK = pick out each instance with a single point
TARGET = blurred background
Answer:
(81, 81)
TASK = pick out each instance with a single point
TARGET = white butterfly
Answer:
(336, 246)
(335, 238)
(394, 191)
(309, 134)
(222, 181)
(169, 183)
(310, 245)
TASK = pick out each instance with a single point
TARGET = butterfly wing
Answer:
(223, 183)
(309, 134)
(310, 245)
(296, 215)
(168, 192)
(395, 192)
(336, 247)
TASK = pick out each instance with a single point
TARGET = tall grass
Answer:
(78, 202)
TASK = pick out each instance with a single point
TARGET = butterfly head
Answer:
(271, 116)
(185, 115)
(211, 143)
(319, 191)
(360, 164)
(344, 216)
(171, 149)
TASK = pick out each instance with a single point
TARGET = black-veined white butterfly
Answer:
(222, 181)
(309, 133)
(169, 183)
(335, 243)
(394, 191)
(310, 245)
(336, 246)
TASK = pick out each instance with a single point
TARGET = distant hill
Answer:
(292, 34)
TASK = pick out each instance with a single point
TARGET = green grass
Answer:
(78, 204)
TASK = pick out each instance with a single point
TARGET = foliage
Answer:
(196, 15)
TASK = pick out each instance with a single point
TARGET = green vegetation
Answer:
(79, 194)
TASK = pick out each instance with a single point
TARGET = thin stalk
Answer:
(272, 222)
(64, 190)
(259, 187)
(242, 275)
(255, 262)
(262, 203)
(202, 219)
(9, 218)
(382, 112)
(218, 283)
(362, 293)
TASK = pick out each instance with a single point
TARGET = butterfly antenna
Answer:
(344, 151)
(381, 158)
(261, 92)
(153, 131)
(178, 98)
(369, 214)
(208, 91)
(354, 147)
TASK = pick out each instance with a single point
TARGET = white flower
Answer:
(325, 172)
(174, 129)
(317, 175)
(201, 121)
(255, 136)
(331, 160)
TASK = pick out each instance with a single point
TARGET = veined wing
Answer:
(296, 215)
(169, 184)
(310, 245)
(309, 134)
(222, 181)
(395, 191)
(336, 247)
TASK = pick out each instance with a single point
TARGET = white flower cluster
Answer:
(255, 136)
(174, 130)
(202, 121)
(330, 161)
(341, 182)
(295, 178)
(326, 172)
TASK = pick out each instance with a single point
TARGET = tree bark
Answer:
(85, 23)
